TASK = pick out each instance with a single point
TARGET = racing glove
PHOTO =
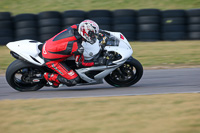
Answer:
(80, 62)
(103, 36)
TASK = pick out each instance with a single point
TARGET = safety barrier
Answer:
(136, 25)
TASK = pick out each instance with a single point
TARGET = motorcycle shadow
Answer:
(87, 88)
(77, 88)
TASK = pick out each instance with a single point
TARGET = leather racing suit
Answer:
(55, 50)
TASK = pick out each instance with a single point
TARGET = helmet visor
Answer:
(92, 37)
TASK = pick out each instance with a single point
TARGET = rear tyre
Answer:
(126, 75)
(20, 75)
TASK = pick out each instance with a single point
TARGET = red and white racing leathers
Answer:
(55, 50)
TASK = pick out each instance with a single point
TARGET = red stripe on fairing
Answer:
(121, 36)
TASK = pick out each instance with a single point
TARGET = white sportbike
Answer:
(26, 72)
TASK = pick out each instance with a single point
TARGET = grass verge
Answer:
(169, 113)
(168, 54)
(36, 6)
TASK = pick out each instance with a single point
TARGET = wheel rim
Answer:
(123, 74)
(23, 78)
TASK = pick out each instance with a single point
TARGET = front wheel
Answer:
(126, 75)
(23, 76)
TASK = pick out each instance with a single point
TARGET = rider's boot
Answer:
(52, 78)
(56, 79)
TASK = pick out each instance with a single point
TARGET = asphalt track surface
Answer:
(161, 81)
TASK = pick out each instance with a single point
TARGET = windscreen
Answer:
(112, 41)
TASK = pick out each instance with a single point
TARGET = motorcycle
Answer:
(26, 72)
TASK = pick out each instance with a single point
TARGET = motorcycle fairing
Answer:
(98, 78)
(28, 50)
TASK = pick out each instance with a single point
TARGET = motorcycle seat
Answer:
(40, 48)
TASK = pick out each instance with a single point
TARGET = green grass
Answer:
(5, 58)
(171, 113)
(36, 6)
(167, 53)
(163, 54)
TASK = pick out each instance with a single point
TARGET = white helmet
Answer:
(88, 29)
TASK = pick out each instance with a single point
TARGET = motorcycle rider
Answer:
(68, 43)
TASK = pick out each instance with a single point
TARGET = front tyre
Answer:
(20, 76)
(126, 75)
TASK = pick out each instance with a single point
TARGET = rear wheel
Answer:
(126, 75)
(23, 76)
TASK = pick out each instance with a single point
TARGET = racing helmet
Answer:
(88, 29)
